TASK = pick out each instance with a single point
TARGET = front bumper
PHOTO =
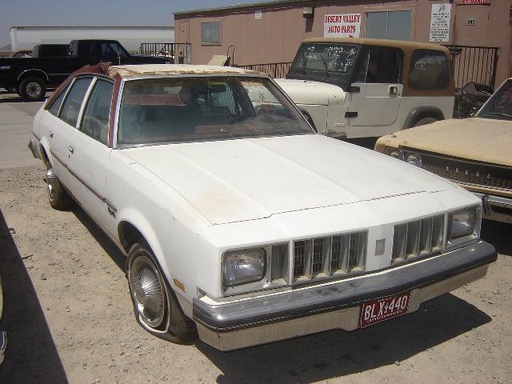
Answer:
(496, 208)
(336, 305)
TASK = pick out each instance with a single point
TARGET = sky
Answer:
(16, 13)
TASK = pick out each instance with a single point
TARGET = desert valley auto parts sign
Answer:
(347, 25)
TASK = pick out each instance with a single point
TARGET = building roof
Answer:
(266, 4)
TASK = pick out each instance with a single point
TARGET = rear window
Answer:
(429, 70)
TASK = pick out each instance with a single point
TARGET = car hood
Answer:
(480, 139)
(309, 92)
(248, 179)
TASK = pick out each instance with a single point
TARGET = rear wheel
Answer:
(57, 195)
(32, 88)
(155, 304)
(425, 120)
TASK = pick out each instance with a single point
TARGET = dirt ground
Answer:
(70, 320)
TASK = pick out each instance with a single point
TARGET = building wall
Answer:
(271, 32)
(129, 37)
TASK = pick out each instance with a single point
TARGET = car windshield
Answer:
(499, 106)
(332, 63)
(164, 110)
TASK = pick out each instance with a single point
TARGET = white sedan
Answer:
(240, 223)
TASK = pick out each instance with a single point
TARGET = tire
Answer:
(425, 120)
(155, 305)
(57, 196)
(32, 89)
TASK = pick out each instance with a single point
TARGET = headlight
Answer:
(394, 152)
(414, 159)
(464, 223)
(243, 266)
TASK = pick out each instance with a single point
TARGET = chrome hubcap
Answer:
(33, 89)
(50, 180)
(148, 292)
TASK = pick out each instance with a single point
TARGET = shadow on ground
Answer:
(336, 354)
(31, 353)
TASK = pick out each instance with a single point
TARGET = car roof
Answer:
(151, 70)
(405, 45)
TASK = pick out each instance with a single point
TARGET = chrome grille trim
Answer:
(324, 257)
(418, 238)
(466, 171)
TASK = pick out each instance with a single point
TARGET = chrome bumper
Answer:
(302, 311)
(496, 207)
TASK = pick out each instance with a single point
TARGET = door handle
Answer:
(71, 150)
(393, 90)
(50, 133)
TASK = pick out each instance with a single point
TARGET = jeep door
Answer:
(375, 92)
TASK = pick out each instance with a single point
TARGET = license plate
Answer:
(376, 311)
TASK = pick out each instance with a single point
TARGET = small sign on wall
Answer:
(440, 23)
(258, 15)
(344, 25)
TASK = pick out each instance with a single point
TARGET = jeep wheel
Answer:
(425, 120)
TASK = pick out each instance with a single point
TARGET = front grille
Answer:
(418, 238)
(467, 171)
(327, 256)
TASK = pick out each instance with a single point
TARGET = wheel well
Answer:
(128, 235)
(420, 113)
(33, 73)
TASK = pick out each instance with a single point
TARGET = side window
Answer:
(57, 102)
(108, 52)
(380, 65)
(73, 102)
(210, 32)
(97, 111)
(429, 70)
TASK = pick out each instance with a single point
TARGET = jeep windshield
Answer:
(328, 63)
(499, 106)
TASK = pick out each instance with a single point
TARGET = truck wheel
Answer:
(425, 120)
(32, 89)
(155, 304)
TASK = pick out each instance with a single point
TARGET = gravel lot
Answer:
(70, 320)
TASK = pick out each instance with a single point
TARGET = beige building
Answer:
(478, 31)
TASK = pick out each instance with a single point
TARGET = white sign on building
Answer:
(440, 23)
(346, 25)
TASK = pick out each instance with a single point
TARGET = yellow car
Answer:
(474, 152)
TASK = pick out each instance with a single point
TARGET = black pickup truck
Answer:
(30, 77)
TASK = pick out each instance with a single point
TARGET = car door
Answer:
(376, 92)
(60, 123)
(89, 151)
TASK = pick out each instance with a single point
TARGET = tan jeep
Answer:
(355, 88)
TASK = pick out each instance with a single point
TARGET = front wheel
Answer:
(32, 89)
(155, 304)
